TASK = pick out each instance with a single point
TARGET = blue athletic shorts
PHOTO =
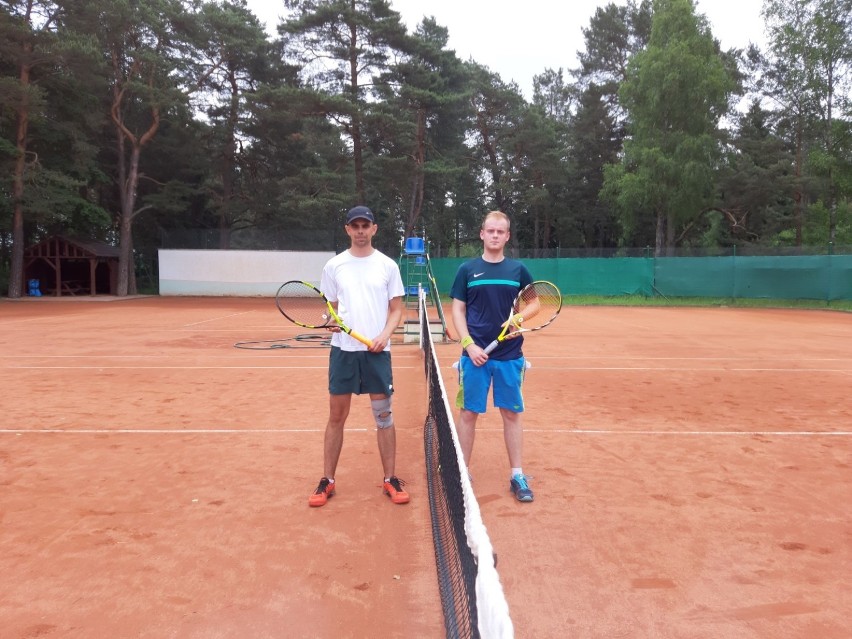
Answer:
(507, 378)
(359, 372)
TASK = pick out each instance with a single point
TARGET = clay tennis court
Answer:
(691, 469)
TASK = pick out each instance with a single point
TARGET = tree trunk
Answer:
(659, 235)
(829, 147)
(128, 184)
(670, 229)
(358, 157)
(224, 233)
(832, 215)
(125, 255)
(122, 181)
(357, 152)
(797, 194)
(418, 183)
(491, 152)
(536, 231)
(16, 272)
(229, 163)
(125, 223)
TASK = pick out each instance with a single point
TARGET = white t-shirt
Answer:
(362, 287)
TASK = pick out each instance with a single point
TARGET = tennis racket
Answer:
(305, 305)
(536, 306)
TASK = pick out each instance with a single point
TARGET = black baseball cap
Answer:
(360, 212)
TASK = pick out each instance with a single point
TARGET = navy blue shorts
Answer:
(359, 372)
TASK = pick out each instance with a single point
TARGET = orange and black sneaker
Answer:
(322, 493)
(393, 489)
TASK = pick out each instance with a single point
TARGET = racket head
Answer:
(303, 304)
(538, 303)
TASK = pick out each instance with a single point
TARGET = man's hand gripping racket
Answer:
(305, 305)
(536, 306)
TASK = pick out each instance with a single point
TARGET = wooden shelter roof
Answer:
(71, 247)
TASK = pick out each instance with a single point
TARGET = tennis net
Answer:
(471, 594)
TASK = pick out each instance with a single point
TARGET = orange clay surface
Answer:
(691, 469)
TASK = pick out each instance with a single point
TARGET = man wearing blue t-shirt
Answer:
(483, 293)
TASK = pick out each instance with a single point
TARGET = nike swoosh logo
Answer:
(478, 274)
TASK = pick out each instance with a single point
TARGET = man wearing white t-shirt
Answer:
(366, 289)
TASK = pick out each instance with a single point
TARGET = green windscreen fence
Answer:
(818, 277)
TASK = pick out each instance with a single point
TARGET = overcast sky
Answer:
(521, 38)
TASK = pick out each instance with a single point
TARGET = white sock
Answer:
(517, 471)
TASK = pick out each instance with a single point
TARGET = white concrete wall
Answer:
(236, 273)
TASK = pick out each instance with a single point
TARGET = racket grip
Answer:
(361, 338)
(491, 346)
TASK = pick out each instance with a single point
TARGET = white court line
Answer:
(640, 358)
(164, 431)
(216, 319)
(579, 431)
(164, 355)
(29, 320)
(692, 433)
(154, 368)
(290, 355)
(708, 370)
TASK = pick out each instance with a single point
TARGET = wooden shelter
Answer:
(70, 266)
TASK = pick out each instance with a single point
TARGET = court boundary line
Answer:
(216, 319)
(564, 431)
(692, 433)
(153, 368)
(638, 369)
(645, 369)
(163, 431)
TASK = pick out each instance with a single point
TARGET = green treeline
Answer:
(183, 124)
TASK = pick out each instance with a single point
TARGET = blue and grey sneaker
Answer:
(520, 488)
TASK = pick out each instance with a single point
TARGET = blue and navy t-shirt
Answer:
(488, 290)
